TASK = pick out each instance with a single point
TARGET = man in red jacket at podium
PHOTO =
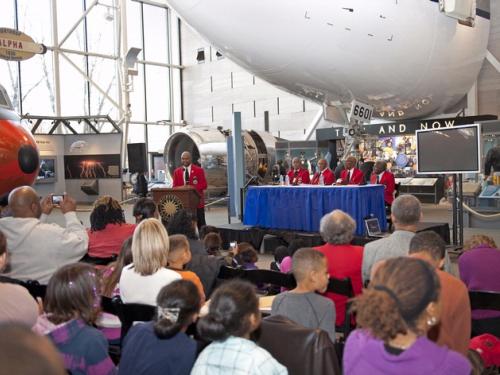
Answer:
(384, 177)
(190, 174)
(323, 170)
(351, 175)
(298, 175)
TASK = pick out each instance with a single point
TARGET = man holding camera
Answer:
(37, 249)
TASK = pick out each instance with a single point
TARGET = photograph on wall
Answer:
(92, 166)
(47, 171)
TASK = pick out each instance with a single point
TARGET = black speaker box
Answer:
(137, 157)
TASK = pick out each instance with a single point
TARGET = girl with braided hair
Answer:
(394, 314)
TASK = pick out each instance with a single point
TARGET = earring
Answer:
(431, 321)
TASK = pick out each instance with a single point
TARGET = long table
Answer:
(302, 207)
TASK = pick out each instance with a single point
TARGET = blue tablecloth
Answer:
(302, 207)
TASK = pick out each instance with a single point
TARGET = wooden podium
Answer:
(169, 201)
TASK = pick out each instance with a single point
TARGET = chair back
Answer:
(484, 300)
(284, 339)
(259, 277)
(228, 273)
(34, 288)
(344, 288)
(133, 312)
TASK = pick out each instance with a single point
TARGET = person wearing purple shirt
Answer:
(394, 314)
(72, 304)
(478, 267)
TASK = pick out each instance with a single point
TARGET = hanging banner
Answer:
(17, 46)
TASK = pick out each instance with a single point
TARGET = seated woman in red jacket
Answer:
(108, 228)
(344, 260)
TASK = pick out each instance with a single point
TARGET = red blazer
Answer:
(343, 261)
(328, 177)
(302, 178)
(196, 179)
(389, 185)
(357, 177)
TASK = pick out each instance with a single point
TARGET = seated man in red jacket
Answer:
(190, 174)
(351, 175)
(381, 175)
(323, 170)
(298, 175)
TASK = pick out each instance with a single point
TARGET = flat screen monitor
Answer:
(47, 171)
(449, 150)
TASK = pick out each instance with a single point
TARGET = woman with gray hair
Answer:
(344, 260)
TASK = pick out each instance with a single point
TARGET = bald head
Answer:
(186, 158)
(350, 162)
(380, 166)
(322, 164)
(24, 202)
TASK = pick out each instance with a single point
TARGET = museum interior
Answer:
(187, 186)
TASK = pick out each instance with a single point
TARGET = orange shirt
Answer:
(191, 276)
(455, 325)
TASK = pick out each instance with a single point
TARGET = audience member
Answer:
(247, 258)
(22, 352)
(207, 229)
(141, 281)
(405, 215)
(38, 249)
(162, 346)
(280, 253)
(183, 222)
(478, 267)
(394, 315)
(344, 260)
(144, 208)
(180, 255)
(72, 305)
(108, 228)
(233, 315)
(293, 246)
(302, 304)
(207, 268)
(16, 304)
(455, 317)
(213, 243)
(111, 275)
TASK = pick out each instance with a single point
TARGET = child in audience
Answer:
(213, 243)
(180, 255)
(162, 346)
(394, 315)
(233, 315)
(247, 258)
(280, 253)
(293, 246)
(111, 275)
(71, 306)
(302, 304)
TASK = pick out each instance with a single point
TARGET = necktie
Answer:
(378, 179)
(296, 173)
(186, 176)
(349, 176)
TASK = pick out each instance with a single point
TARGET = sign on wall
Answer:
(17, 46)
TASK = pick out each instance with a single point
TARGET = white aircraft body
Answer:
(405, 57)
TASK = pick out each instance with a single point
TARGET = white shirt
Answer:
(135, 288)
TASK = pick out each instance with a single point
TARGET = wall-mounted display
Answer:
(47, 171)
(92, 166)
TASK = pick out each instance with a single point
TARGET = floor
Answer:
(218, 215)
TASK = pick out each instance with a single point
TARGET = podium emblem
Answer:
(167, 207)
